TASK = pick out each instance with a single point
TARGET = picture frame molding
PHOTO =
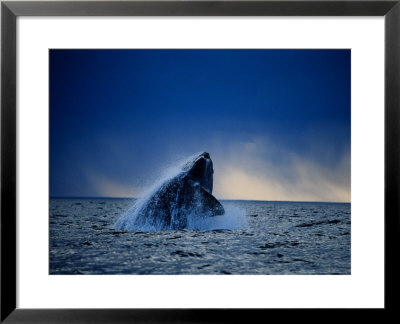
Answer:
(11, 10)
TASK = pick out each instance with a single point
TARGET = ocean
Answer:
(253, 237)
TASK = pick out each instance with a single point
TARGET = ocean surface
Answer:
(253, 237)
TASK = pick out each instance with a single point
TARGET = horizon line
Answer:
(105, 197)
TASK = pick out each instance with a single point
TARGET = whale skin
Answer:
(188, 193)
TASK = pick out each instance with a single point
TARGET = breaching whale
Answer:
(188, 194)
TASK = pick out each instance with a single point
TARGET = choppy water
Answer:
(266, 238)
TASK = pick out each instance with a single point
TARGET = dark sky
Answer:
(276, 122)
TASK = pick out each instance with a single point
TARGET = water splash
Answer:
(233, 219)
(182, 199)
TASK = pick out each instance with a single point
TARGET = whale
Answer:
(187, 194)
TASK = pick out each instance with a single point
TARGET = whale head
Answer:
(200, 170)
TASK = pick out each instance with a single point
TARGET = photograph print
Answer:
(200, 161)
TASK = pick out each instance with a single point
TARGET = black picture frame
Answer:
(10, 10)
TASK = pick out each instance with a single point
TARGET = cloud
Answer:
(258, 170)
(255, 170)
(106, 187)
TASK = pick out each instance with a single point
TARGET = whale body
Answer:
(189, 193)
